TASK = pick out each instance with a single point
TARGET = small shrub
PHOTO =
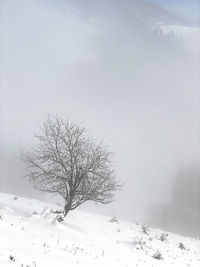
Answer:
(45, 245)
(140, 243)
(181, 246)
(114, 220)
(12, 258)
(163, 237)
(145, 229)
(157, 255)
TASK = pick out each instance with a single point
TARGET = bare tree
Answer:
(68, 163)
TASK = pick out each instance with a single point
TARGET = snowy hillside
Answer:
(131, 10)
(30, 236)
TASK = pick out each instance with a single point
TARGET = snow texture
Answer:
(31, 236)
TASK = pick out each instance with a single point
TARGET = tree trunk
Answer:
(67, 208)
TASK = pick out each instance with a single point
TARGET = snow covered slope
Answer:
(131, 10)
(30, 236)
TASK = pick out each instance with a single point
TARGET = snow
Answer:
(31, 236)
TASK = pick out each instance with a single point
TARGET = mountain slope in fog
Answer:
(30, 236)
(130, 10)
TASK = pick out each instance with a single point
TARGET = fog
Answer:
(95, 64)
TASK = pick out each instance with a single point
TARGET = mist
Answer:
(96, 64)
